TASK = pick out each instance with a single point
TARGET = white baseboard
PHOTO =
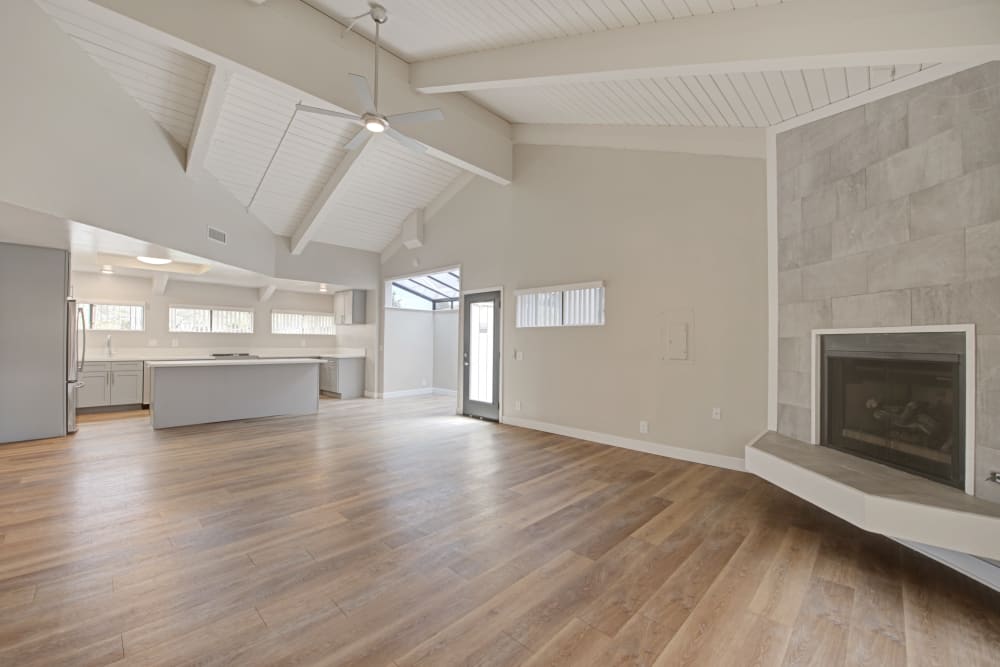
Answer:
(437, 391)
(982, 571)
(402, 393)
(669, 451)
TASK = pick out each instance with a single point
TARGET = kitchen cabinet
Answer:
(349, 307)
(344, 378)
(96, 389)
(108, 383)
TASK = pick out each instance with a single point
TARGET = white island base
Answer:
(201, 392)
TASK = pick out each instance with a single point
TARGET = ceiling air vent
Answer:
(217, 235)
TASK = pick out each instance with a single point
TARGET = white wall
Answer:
(409, 350)
(102, 288)
(446, 350)
(670, 234)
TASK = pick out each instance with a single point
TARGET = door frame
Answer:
(461, 349)
(381, 296)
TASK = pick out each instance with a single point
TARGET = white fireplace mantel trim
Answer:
(970, 383)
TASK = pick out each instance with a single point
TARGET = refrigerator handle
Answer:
(83, 337)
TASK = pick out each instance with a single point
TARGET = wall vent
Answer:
(217, 235)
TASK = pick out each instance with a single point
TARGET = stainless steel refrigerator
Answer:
(38, 344)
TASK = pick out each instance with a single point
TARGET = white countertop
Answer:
(197, 354)
(231, 362)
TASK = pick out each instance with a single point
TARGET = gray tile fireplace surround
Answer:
(889, 215)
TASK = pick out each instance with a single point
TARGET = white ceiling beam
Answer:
(298, 46)
(160, 281)
(207, 119)
(728, 141)
(803, 34)
(317, 212)
(265, 293)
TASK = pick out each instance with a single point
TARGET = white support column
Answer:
(265, 293)
(160, 281)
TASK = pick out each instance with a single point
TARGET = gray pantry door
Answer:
(481, 356)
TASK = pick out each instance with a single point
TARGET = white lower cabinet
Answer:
(108, 383)
(343, 377)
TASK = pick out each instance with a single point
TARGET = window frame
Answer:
(211, 318)
(561, 291)
(89, 316)
(285, 311)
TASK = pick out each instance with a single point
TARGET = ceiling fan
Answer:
(370, 118)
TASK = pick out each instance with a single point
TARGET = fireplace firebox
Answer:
(897, 398)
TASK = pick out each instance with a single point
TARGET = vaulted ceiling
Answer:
(733, 64)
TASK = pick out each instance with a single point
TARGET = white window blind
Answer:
(114, 317)
(195, 319)
(576, 305)
(308, 324)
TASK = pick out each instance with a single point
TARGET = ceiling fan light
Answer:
(375, 125)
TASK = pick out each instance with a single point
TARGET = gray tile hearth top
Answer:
(889, 215)
(873, 478)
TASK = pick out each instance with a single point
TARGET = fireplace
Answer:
(897, 398)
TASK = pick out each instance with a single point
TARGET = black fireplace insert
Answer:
(897, 398)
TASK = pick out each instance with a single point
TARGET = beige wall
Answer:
(446, 350)
(675, 237)
(409, 350)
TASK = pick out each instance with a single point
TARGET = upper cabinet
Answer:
(349, 307)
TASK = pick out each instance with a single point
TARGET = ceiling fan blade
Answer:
(412, 144)
(329, 112)
(358, 141)
(416, 116)
(364, 92)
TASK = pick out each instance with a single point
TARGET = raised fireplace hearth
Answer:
(897, 399)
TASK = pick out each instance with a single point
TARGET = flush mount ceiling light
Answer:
(322, 287)
(107, 270)
(155, 261)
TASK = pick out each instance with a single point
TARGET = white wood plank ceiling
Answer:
(436, 28)
(380, 192)
(739, 99)
(166, 83)
(254, 116)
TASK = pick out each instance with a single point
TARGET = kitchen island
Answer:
(205, 391)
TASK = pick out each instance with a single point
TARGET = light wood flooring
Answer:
(395, 534)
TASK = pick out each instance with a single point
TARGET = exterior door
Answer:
(481, 356)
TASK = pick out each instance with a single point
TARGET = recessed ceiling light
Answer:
(107, 270)
(322, 287)
(155, 261)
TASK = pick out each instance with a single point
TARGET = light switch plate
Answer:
(717, 414)
(677, 341)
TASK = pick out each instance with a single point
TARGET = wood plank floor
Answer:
(394, 534)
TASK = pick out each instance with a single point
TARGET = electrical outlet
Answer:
(518, 355)
(643, 426)
(717, 414)
(423, 382)
(517, 405)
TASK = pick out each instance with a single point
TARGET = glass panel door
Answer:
(481, 356)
